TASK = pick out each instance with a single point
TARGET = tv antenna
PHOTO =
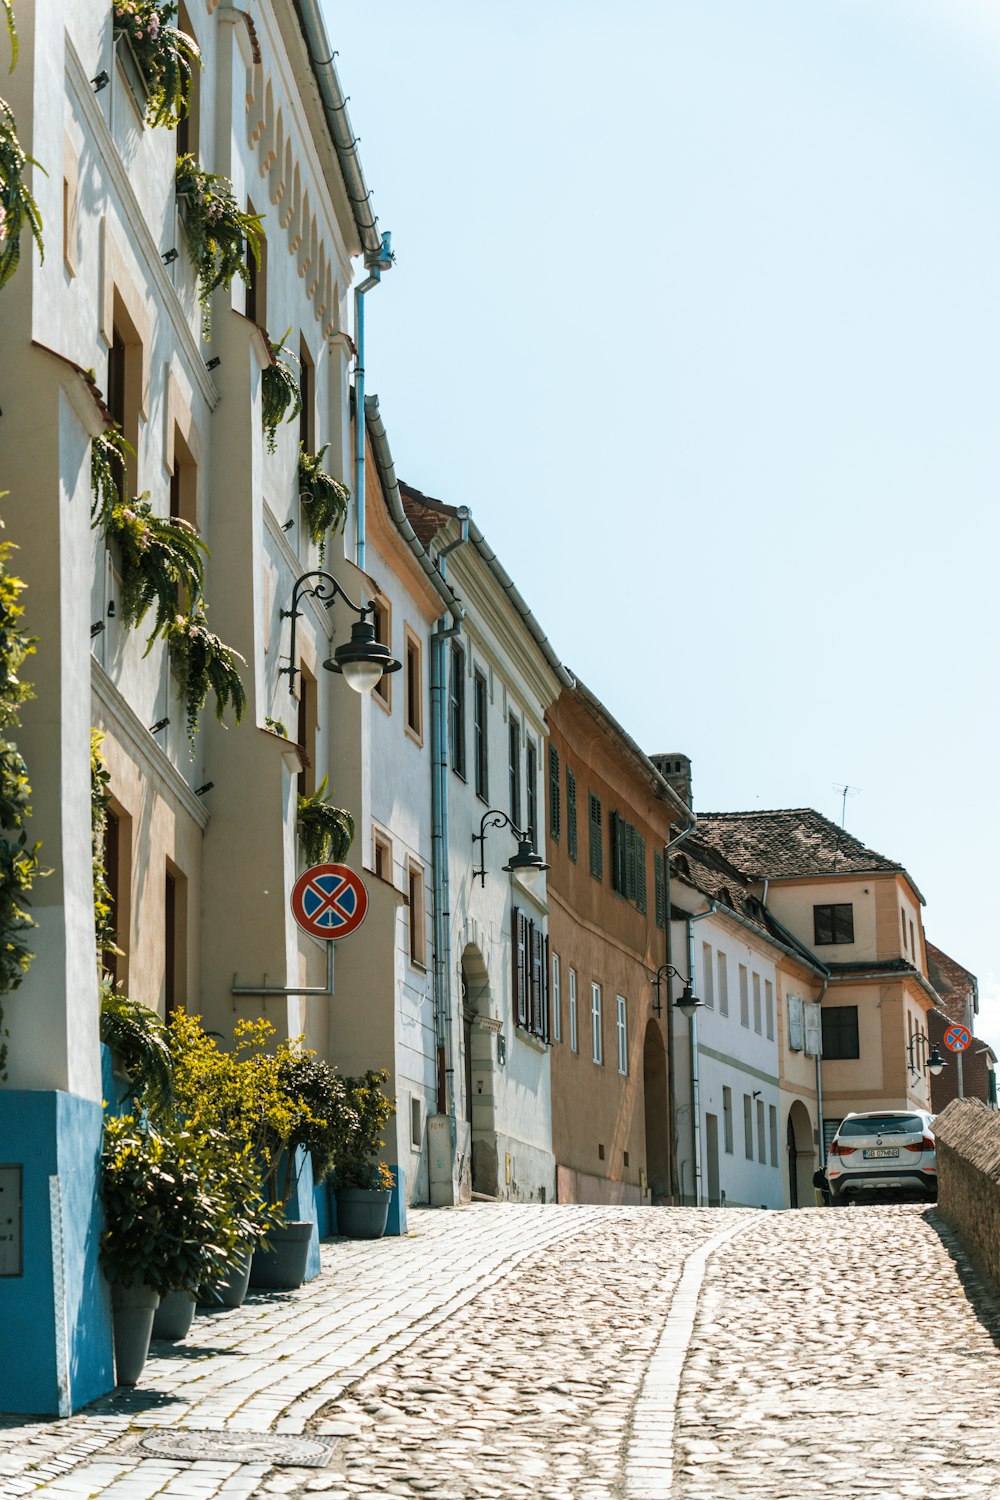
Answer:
(845, 790)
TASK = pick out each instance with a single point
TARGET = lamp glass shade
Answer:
(687, 1003)
(936, 1063)
(362, 676)
(362, 659)
(527, 864)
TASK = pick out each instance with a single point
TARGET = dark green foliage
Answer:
(107, 452)
(372, 1110)
(324, 1136)
(167, 57)
(218, 230)
(204, 663)
(279, 390)
(17, 206)
(99, 780)
(160, 556)
(141, 1039)
(324, 499)
(327, 831)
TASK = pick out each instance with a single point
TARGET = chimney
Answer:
(676, 769)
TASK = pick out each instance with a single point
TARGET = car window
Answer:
(882, 1125)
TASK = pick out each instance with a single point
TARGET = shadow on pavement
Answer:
(981, 1290)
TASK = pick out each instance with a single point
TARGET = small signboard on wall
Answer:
(11, 1258)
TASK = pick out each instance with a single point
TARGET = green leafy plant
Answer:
(19, 861)
(372, 1110)
(327, 832)
(167, 1205)
(8, 10)
(103, 909)
(324, 499)
(140, 1038)
(108, 452)
(319, 1086)
(204, 663)
(275, 726)
(166, 56)
(279, 390)
(160, 556)
(218, 230)
(17, 206)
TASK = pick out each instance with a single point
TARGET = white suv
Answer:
(884, 1151)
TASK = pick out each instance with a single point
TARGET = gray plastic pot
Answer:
(132, 1310)
(232, 1291)
(362, 1213)
(283, 1266)
(172, 1319)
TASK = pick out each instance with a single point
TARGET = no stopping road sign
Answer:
(329, 902)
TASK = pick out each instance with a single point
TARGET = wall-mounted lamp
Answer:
(214, 362)
(111, 609)
(687, 1002)
(501, 1049)
(169, 256)
(96, 628)
(160, 724)
(527, 864)
(101, 81)
(923, 1053)
(206, 786)
(363, 660)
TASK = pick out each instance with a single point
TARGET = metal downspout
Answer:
(695, 1068)
(376, 265)
(671, 1091)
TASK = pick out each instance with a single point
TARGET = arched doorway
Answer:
(479, 1072)
(654, 1099)
(800, 1151)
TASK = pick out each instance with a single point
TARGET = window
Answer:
(708, 974)
(758, 1023)
(305, 731)
(382, 855)
(574, 1036)
(531, 792)
(596, 847)
(174, 940)
(416, 1122)
(554, 801)
(772, 1121)
(183, 482)
(307, 395)
(414, 687)
(744, 998)
(840, 1031)
(596, 1032)
(628, 861)
(833, 924)
(479, 735)
(556, 1000)
(727, 1119)
(659, 888)
(769, 1008)
(456, 708)
(514, 769)
(382, 625)
(530, 977)
(187, 127)
(418, 934)
(748, 1126)
(571, 846)
(621, 1025)
(723, 976)
(913, 944)
(761, 1139)
(254, 304)
(902, 918)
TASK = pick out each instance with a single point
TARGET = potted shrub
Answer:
(279, 391)
(169, 1226)
(327, 832)
(218, 231)
(324, 499)
(158, 59)
(364, 1185)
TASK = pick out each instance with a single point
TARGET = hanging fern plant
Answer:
(203, 663)
(167, 58)
(218, 230)
(160, 556)
(279, 390)
(324, 499)
(17, 207)
(108, 452)
(138, 1035)
(327, 832)
(103, 906)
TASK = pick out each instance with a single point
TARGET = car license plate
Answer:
(873, 1154)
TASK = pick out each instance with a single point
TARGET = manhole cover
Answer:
(239, 1447)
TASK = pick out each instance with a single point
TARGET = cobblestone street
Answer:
(576, 1352)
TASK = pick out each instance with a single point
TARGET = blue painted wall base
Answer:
(396, 1222)
(57, 1314)
(302, 1205)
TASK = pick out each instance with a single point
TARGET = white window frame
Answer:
(621, 1022)
(574, 1033)
(758, 1006)
(769, 1009)
(723, 987)
(596, 1024)
(556, 1000)
(707, 961)
(744, 996)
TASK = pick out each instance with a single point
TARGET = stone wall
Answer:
(968, 1163)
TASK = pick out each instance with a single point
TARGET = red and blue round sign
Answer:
(329, 902)
(958, 1037)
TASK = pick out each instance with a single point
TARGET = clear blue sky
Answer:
(697, 306)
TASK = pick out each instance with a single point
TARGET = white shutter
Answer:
(814, 1031)
(794, 1003)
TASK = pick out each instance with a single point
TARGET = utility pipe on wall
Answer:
(376, 265)
(685, 833)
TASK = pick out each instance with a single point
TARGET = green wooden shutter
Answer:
(629, 852)
(660, 888)
(640, 872)
(596, 846)
(617, 854)
(571, 846)
(554, 808)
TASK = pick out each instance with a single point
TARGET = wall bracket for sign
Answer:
(295, 989)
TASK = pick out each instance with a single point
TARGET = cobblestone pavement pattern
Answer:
(527, 1351)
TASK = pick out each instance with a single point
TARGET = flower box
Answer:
(131, 72)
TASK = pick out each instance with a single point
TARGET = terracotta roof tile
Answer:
(789, 841)
(426, 516)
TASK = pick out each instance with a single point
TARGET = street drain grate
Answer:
(239, 1448)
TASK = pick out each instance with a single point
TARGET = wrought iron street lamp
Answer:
(923, 1053)
(687, 1002)
(363, 660)
(527, 864)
